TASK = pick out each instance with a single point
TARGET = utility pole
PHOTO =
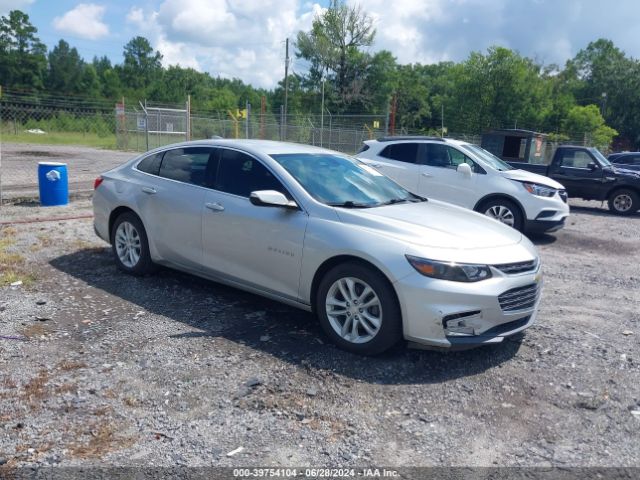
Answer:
(441, 120)
(286, 88)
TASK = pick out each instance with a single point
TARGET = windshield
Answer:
(342, 181)
(487, 157)
(600, 157)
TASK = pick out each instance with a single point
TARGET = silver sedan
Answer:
(321, 231)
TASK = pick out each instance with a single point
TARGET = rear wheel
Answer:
(624, 202)
(505, 211)
(130, 246)
(358, 310)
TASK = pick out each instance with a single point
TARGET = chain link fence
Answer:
(92, 137)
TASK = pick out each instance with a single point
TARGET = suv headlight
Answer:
(456, 272)
(539, 190)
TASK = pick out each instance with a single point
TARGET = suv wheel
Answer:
(624, 202)
(358, 310)
(505, 211)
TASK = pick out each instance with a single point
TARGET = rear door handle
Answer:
(216, 207)
(149, 190)
(376, 165)
(425, 174)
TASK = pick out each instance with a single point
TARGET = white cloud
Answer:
(233, 39)
(429, 31)
(7, 5)
(85, 21)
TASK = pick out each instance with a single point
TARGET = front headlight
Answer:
(539, 190)
(456, 272)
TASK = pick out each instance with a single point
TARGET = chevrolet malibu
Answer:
(321, 231)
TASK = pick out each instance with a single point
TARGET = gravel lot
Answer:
(97, 367)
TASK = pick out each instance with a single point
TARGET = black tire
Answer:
(496, 204)
(390, 329)
(144, 265)
(624, 202)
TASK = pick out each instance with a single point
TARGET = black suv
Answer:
(627, 160)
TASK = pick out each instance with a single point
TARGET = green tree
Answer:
(90, 82)
(499, 89)
(66, 69)
(603, 74)
(22, 54)
(111, 85)
(333, 49)
(587, 123)
(413, 111)
(141, 64)
(101, 64)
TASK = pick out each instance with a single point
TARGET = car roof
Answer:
(269, 147)
(414, 138)
(624, 154)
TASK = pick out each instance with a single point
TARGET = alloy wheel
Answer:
(502, 214)
(128, 245)
(354, 310)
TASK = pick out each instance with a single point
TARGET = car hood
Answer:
(433, 224)
(625, 171)
(524, 176)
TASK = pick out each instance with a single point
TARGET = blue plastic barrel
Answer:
(53, 183)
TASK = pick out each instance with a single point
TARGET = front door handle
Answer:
(216, 207)
(425, 174)
(149, 190)
(376, 165)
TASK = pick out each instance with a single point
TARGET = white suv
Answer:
(467, 175)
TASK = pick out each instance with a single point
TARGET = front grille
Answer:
(563, 195)
(520, 298)
(518, 267)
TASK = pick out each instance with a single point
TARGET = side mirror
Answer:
(271, 198)
(465, 169)
(592, 166)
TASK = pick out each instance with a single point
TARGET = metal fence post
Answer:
(247, 120)
(1, 117)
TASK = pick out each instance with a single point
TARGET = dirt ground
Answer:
(19, 167)
(97, 367)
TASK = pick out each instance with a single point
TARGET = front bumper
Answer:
(479, 313)
(545, 214)
(544, 226)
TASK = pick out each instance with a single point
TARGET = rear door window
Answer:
(150, 164)
(240, 174)
(194, 165)
(402, 152)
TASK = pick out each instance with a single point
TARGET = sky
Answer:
(246, 38)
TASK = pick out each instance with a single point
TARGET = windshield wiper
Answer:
(418, 198)
(349, 204)
(393, 201)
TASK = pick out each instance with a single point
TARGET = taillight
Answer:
(97, 182)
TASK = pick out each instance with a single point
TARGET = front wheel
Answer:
(358, 309)
(505, 211)
(624, 202)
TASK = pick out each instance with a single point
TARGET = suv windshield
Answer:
(487, 157)
(342, 181)
(601, 158)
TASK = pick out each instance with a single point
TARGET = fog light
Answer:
(456, 324)
(458, 328)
